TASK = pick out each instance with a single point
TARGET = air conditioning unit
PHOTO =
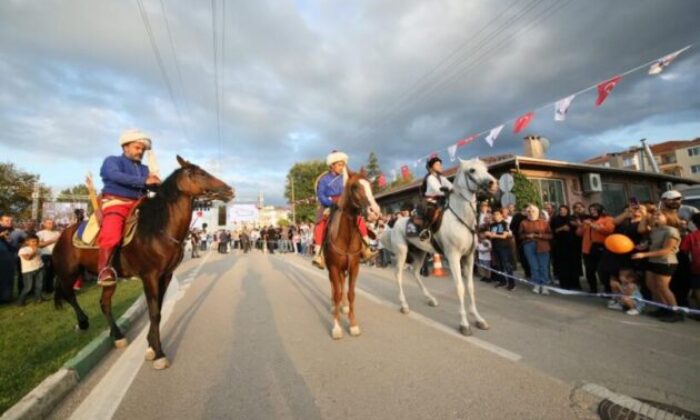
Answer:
(591, 183)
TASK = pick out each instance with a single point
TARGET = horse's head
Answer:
(360, 197)
(473, 175)
(197, 182)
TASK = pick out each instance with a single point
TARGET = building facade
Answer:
(679, 158)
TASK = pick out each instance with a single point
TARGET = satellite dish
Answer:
(545, 143)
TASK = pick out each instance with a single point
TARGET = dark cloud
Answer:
(304, 77)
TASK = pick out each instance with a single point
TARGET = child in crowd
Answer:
(691, 245)
(32, 269)
(484, 250)
(500, 235)
(626, 286)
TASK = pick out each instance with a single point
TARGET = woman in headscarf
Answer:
(566, 264)
(536, 234)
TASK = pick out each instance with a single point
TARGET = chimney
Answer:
(534, 147)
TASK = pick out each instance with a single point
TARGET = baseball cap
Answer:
(671, 195)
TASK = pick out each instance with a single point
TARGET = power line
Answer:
(216, 75)
(177, 61)
(159, 61)
(481, 41)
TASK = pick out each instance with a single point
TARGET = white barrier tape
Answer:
(566, 292)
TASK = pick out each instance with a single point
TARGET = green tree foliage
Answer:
(304, 175)
(282, 223)
(525, 191)
(16, 188)
(373, 170)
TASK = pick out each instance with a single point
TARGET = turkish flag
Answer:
(381, 181)
(466, 141)
(605, 88)
(200, 213)
(433, 155)
(523, 121)
(405, 172)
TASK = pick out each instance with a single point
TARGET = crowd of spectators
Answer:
(25, 259)
(558, 249)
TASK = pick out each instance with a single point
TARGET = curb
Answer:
(39, 402)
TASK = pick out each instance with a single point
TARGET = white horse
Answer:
(456, 237)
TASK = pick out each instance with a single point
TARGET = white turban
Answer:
(132, 135)
(336, 157)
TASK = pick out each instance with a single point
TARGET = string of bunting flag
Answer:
(561, 108)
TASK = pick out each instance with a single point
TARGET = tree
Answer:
(525, 191)
(16, 189)
(304, 175)
(373, 170)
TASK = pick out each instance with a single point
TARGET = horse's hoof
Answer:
(150, 354)
(337, 333)
(465, 330)
(345, 310)
(121, 343)
(355, 331)
(482, 325)
(405, 310)
(160, 364)
(433, 303)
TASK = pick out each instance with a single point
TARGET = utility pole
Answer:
(294, 204)
(35, 201)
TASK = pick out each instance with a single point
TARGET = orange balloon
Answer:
(619, 244)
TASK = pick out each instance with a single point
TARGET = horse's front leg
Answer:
(154, 352)
(456, 270)
(106, 305)
(337, 296)
(352, 279)
(468, 270)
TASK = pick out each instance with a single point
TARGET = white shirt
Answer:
(484, 249)
(434, 184)
(30, 265)
(45, 236)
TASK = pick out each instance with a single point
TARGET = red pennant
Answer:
(381, 181)
(433, 155)
(605, 88)
(523, 121)
(466, 141)
(405, 172)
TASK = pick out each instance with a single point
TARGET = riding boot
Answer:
(319, 260)
(107, 275)
(367, 251)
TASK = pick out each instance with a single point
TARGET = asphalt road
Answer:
(249, 337)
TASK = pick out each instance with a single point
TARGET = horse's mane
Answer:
(344, 198)
(153, 212)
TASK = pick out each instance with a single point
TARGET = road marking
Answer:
(499, 351)
(107, 395)
(628, 402)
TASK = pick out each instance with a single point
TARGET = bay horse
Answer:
(153, 254)
(343, 246)
(457, 236)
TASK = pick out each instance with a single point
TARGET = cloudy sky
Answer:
(297, 79)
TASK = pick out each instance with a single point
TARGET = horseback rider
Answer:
(125, 180)
(435, 186)
(328, 191)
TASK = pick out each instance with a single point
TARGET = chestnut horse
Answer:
(343, 246)
(153, 254)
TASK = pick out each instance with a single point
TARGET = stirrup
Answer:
(109, 281)
(425, 235)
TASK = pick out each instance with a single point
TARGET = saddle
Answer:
(86, 235)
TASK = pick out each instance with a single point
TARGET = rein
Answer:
(336, 249)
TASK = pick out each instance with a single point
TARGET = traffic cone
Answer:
(437, 267)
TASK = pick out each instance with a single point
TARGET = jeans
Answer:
(503, 255)
(33, 279)
(538, 261)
